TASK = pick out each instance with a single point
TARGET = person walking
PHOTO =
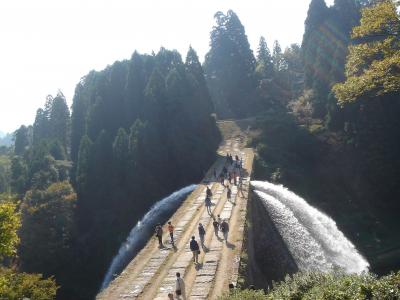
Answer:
(225, 171)
(208, 192)
(159, 233)
(225, 229)
(240, 186)
(170, 296)
(229, 193)
(216, 226)
(202, 233)
(171, 232)
(222, 179)
(179, 287)
(208, 205)
(194, 247)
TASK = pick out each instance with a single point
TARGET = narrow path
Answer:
(151, 274)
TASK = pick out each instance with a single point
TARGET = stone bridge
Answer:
(151, 274)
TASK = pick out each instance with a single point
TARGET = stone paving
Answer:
(206, 273)
(205, 277)
(162, 264)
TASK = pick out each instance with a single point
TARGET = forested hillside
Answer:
(338, 143)
(138, 130)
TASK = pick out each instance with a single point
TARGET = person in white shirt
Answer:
(179, 287)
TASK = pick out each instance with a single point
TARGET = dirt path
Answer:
(151, 274)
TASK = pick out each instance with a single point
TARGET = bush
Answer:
(244, 295)
(16, 286)
(328, 286)
(337, 286)
(316, 128)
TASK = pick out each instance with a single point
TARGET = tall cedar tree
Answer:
(229, 67)
(21, 140)
(265, 67)
(166, 106)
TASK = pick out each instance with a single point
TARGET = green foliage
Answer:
(5, 173)
(150, 122)
(324, 47)
(21, 137)
(229, 67)
(327, 286)
(52, 123)
(373, 64)
(48, 225)
(9, 224)
(19, 175)
(316, 128)
(244, 295)
(265, 68)
(59, 120)
(336, 286)
(82, 172)
(16, 286)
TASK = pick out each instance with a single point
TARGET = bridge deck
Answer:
(151, 274)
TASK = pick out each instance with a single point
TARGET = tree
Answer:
(40, 126)
(316, 15)
(82, 173)
(135, 85)
(21, 140)
(277, 57)
(59, 120)
(5, 174)
(48, 218)
(196, 81)
(9, 224)
(229, 67)
(265, 65)
(373, 64)
(16, 286)
(121, 157)
(19, 175)
(118, 177)
(80, 103)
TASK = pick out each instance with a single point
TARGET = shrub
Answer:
(16, 286)
(244, 295)
(337, 286)
(327, 286)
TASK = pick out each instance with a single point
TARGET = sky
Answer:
(48, 45)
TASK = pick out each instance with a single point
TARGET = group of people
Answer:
(227, 176)
(159, 233)
(219, 224)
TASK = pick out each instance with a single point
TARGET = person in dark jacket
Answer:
(208, 192)
(159, 233)
(225, 229)
(194, 247)
(202, 233)
(216, 226)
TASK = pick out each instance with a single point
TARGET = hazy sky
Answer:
(48, 45)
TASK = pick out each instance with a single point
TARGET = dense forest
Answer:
(138, 130)
(326, 124)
